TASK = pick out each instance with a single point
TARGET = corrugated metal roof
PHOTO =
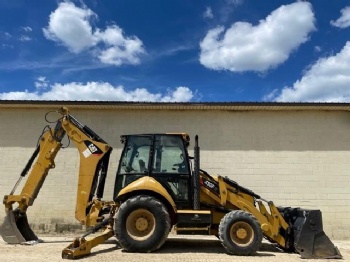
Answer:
(226, 106)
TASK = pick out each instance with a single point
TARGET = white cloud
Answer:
(119, 49)
(245, 47)
(344, 20)
(317, 48)
(97, 91)
(5, 35)
(24, 38)
(270, 96)
(180, 94)
(172, 50)
(328, 80)
(26, 29)
(41, 82)
(208, 13)
(6, 46)
(71, 26)
(234, 2)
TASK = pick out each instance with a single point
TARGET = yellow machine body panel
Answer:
(147, 184)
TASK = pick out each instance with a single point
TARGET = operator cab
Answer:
(161, 156)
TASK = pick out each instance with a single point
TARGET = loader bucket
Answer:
(16, 230)
(310, 241)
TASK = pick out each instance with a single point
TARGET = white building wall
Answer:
(294, 158)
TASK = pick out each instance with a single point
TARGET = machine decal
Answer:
(211, 185)
(91, 149)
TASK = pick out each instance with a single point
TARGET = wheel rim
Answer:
(242, 234)
(140, 224)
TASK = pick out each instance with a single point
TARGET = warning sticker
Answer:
(91, 149)
(87, 153)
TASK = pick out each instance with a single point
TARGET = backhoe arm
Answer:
(49, 145)
(94, 157)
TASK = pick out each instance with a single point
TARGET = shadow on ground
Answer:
(183, 246)
(210, 246)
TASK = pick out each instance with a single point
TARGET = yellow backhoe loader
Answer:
(159, 187)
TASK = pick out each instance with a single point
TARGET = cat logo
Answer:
(91, 149)
(209, 184)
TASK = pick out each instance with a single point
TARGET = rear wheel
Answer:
(240, 233)
(142, 224)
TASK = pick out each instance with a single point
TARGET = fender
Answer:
(147, 183)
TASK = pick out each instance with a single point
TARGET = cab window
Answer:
(169, 155)
(135, 156)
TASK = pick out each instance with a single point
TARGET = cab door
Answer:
(134, 161)
(171, 168)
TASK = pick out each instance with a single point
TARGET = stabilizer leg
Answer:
(82, 246)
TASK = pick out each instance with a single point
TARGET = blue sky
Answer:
(175, 51)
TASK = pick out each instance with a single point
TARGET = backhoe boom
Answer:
(94, 157)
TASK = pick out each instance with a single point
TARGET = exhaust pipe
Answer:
(16, 230)
(195, 177)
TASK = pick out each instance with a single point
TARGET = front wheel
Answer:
(240, 233)
(142, 224)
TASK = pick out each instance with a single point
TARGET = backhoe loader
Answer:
(159, 187)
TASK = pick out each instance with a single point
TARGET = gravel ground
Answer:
(175, 249)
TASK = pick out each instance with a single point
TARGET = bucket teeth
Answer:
(16, 230)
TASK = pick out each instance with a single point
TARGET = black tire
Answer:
(240, 233)
(142, 224)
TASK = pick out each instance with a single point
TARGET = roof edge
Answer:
(124, 105)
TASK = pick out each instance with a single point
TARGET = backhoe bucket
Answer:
(16, 230)
(310, 241)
